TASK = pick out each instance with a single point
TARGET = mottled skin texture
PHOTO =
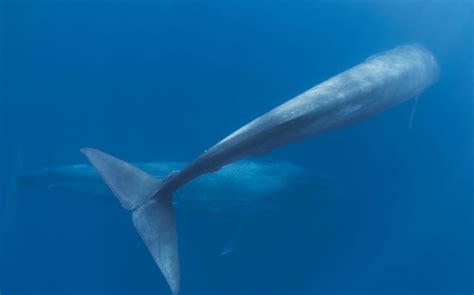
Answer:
(377, 84)
(382, 81)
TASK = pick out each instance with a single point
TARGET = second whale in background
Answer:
(242, 188)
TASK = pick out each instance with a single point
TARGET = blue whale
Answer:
(239, 189)
(371, 87)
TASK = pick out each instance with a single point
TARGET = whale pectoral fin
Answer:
(229, 247)
(240, 234)
(413, 111)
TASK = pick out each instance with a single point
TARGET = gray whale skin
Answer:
(238, 189)
(377, 84)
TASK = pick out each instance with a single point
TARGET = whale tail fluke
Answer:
(152, 214)
(132, 186)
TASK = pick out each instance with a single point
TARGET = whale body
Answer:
(380, 82)
(238, 189)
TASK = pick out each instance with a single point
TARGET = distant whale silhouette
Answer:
(379, 83)
(238, 189)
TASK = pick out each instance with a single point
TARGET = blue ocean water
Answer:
(164, 80)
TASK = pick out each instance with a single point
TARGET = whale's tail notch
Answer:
(152, 214)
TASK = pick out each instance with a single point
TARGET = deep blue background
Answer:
(163, 80)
